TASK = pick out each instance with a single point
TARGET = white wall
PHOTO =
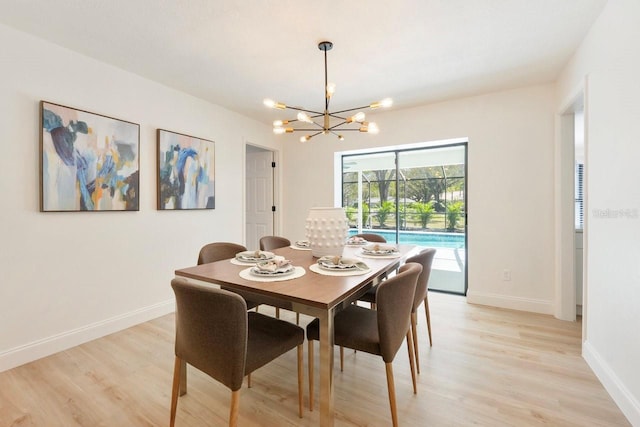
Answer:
(609, 58)
(71, 277)
(510, 185)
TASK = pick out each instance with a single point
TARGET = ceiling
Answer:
(235, 53)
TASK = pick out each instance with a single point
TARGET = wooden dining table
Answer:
(313, 294)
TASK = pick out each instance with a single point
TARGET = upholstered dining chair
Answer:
(378, 332)
(216, 334)
(370, 295)
(425, 259)
(218, 251)
(269, 243)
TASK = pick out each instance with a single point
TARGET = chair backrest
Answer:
(218, 251)
(268, 243)
(211, 331)
(425, 259)
(394, 300)
(370, 237)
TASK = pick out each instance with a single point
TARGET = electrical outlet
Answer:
(506, 275)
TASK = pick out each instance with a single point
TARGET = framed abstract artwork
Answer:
(88, 162)
(186, 172)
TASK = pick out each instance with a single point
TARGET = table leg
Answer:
(326, 370)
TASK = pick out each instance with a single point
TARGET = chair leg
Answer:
(341, 358)
(235, 406)
(297, 318)
(300, 380)
(412, 363)
(175, 388)
(249, 381)
(392, 394)
(277, 312)
(414, 336)
(426, 311)
(310, 375)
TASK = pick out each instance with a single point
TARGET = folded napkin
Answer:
(339, 262)
(356, 240)
(273, 266)
(302, 243)
(381, 249)
(254, 255)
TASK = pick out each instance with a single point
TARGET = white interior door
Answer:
(259, 191)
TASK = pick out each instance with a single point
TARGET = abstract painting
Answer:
(186, 172)
(88, 162)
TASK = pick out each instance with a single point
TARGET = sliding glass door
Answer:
(415, 196)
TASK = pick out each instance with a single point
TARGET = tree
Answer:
(384, 210)
(383, 179)
(425, 212)
(454, 212)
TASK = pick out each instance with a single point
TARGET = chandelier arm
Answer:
(350, 109)
(337, 125)
(305, 110)
(337, 117)
(311, 136)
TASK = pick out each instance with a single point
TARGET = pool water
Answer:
(434, 240)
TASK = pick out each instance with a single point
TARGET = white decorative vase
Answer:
(326, 230)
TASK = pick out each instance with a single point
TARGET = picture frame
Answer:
(88, 161)
(186, 172)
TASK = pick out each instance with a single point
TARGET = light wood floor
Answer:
(488, 367)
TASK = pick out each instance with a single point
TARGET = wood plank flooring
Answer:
(487, 367)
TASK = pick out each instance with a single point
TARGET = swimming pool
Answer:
(434, 240)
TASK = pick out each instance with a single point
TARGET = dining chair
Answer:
(425, 259)
(217, 335)
(218, 251)
(370, 295)
(379, 332)
(269, 243)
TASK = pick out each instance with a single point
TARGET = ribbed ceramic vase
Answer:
(326, 230)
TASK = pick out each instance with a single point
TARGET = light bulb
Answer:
(387, 102)
(341, 138)
(373, 128)
(278, 123)
(304, 138)
(273, 104)
(280, 131)
(304, 117)
(358, 117)
(331, 88)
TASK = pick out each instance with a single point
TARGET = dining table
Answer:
(309, 291)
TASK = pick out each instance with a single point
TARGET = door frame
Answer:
(277, 183)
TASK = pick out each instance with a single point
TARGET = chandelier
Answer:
(326, 122)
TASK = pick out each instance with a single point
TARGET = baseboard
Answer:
(510, 302)
(627, 403)
(35, 350)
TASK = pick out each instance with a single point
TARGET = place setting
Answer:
(339, 266)
(379, 250)
(301, 245)
(272, 270)
(252, 257)
(356, 242)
